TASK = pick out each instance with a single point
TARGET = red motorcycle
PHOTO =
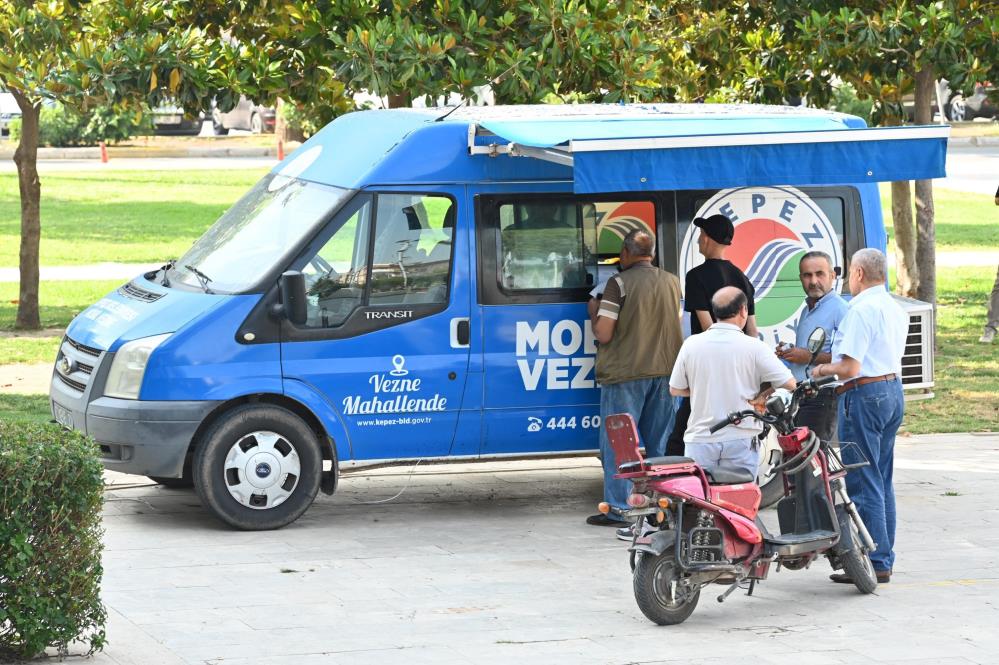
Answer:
(696, 527)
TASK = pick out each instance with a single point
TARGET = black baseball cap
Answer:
(718, 227)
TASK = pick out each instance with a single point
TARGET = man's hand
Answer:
(794, 354)
(759, 403)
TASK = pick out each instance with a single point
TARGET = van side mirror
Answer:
(293, 299)
(816, 341)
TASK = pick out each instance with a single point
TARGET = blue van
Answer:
(412, 285)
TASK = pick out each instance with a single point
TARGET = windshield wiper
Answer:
(202, 277)
(166, 267)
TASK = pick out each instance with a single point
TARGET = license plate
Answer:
(62, 415)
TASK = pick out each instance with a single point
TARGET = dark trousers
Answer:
(675, 445)
(819, 414)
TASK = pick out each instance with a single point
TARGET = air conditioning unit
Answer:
(917, 361)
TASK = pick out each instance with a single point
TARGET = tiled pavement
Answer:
(492, 563)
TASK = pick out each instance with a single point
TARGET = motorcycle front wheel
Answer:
(659, 592)
(857, 563)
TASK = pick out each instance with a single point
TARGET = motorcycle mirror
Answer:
(775, 405)
(815, 341)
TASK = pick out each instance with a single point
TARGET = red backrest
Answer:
(623, 437)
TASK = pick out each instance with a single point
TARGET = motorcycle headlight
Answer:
(129, 366)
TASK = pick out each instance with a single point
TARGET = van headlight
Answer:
(129, 366)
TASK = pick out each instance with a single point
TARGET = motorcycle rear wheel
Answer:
(658, 591)
(857, 563)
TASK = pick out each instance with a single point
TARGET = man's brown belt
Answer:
(862, 381)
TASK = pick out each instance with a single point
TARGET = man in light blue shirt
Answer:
(824, 308)
(868, 353)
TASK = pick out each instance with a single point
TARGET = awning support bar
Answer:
(555, 155)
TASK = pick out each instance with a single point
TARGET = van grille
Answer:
(135, 292)
(75, 364)
(88, 350)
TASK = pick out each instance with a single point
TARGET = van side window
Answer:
(405, 259)
(547, 245)
(554, 248)
(412, 253)
(335, 277)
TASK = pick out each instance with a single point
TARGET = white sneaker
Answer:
(987, 336)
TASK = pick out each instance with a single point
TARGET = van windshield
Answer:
(257, 232)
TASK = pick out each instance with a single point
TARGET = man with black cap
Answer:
(702, 282)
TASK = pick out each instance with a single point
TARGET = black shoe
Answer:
(883, 577)
(603, 520)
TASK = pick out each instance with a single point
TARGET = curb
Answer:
(977, 141)
(142, 153)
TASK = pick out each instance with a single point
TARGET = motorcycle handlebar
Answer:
(823, 380)
(721, 424)
(733, 418)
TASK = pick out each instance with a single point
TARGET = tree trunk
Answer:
(926, 242)
(26, 158)
(906, 273)
(283, 130)
(926, 234)
(400, 101)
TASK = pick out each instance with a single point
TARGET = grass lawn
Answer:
(965, 222)
(966, 372)
(121, 216)
(152, 216)
(60, 302)
(963, 129)
(25, 408)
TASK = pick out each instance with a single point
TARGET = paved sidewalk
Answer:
(491, 563)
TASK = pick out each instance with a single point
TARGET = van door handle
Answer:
(461, 332)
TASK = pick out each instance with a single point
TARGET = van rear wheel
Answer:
(258, 467)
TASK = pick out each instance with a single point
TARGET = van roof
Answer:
(705, 112)
(443, 145)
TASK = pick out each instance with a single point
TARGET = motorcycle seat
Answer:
(669, 459)
(631, 467)
(724, 475)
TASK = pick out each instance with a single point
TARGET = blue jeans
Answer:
(869, 416)
(735, 453)
(650, 404)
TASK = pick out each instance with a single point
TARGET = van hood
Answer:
(138, 309)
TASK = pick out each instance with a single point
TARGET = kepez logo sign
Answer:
(774, 227)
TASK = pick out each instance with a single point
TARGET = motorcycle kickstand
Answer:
(752, 585)
(735, 585)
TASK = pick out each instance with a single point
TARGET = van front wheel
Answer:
(258, 467)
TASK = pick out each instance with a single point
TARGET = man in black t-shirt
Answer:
(702, 283)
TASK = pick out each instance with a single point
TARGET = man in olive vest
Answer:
(637, 326)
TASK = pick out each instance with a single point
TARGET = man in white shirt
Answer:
(722, 370)
(868, 352)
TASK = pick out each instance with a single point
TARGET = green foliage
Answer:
(51, 492)
(61, 126)
(845, 100)
(879, 47)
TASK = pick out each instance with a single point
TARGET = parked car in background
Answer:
(975, 105)
(9, 110)
(171, 119)
(959, 107)
(245, 115)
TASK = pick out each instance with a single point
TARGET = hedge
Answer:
(51, 492)
(59, 126)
